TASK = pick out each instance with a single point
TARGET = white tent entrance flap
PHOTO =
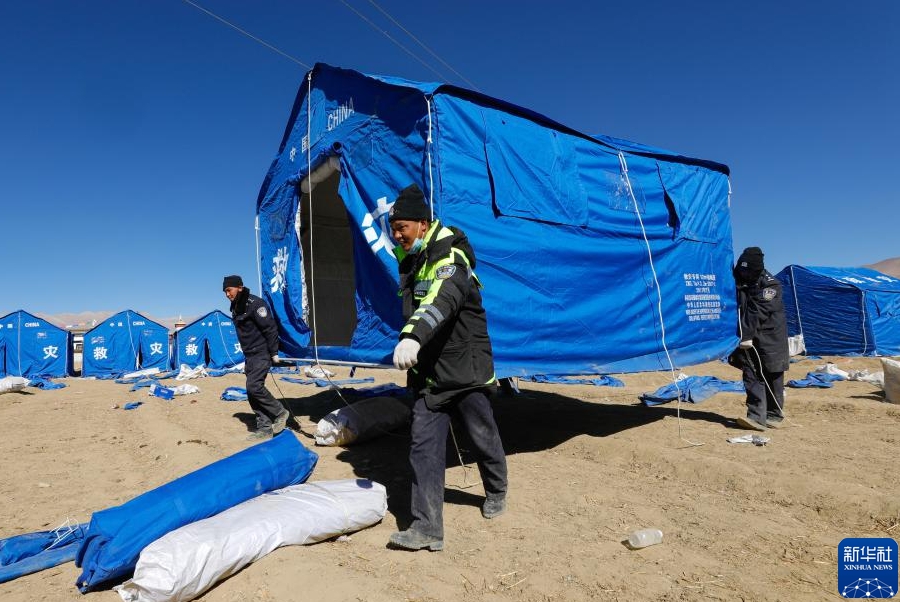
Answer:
(328, 271)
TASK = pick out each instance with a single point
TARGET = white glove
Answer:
(275, 359)
(406, 354)
(748, 344)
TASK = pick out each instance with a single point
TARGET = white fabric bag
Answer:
(186, 562)
(13, 383)
(362, 420)
(891, 379)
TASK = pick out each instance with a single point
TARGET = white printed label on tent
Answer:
(702, 301)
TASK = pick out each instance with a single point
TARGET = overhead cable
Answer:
(247, 33)
(420, 43)
(388, 36)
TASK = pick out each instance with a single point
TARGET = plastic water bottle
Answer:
(644, 537)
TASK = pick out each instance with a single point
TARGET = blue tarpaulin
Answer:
(692, 389)
(571, 231)
(33, 347)
(209, 341)
(44, 383)
(122, 343)
(602, 381)
(116, 536)
(234, 394)
(842, 311)
(32, 552)
(821, 380)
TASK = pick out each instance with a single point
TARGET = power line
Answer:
(388, 36)
(248, 34)
(420, 43)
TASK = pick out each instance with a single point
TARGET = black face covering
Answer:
(745, 275)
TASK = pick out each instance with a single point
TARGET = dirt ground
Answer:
(587, 465)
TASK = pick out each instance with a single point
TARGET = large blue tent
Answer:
(210, 341)
(33, 347)
(125, 342)
(842, 311)
(596, 254)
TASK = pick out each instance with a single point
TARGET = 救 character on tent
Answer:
(763, 352)
(258, 335)
(445, 348)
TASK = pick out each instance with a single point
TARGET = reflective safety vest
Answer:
(443, 312)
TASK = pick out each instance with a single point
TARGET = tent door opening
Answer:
(328, 269)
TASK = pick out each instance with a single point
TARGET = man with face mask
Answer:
(763, 353)
(445, 348)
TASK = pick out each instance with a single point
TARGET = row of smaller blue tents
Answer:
(124, 342)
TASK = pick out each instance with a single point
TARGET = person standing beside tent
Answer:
(257, 333)
(763, 353)
(445, 348)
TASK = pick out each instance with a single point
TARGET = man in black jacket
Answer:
(445, 348)
(763, 353)
(257, 332)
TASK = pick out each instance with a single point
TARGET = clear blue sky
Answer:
(135, 134)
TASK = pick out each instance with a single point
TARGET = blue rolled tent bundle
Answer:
(115, 537)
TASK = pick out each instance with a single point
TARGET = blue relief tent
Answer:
(33, 347)
(842, 311)
(209, 341)
(572, 232)
(124, 342)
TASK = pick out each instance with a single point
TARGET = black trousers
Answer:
(428, 455)
(266, 407)
(765, 392)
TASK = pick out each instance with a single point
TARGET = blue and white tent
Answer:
(842, 311)
(33, 347)
(210, 341)
(125, 342)
(597, 255)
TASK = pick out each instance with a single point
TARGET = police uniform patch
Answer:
(261, 312)
(421, 288)
(769, 293)
(445, 271)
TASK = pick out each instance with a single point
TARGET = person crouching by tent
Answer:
(763, 353)
(257, 333)
(445, 348)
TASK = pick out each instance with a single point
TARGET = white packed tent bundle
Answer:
(186, 562)
(362, 420)
(13, 383)
(891, 380)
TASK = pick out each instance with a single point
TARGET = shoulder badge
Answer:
(261, 312)
(769, 293)
(445, 271)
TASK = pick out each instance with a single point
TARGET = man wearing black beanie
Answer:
(445, 349)
(257, 332)
(763, 355)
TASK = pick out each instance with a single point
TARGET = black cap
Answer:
(752, 259)
(233, 280)
(410, 204)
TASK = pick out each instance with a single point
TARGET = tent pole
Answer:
(312, 360)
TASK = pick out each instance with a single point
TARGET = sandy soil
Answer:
(587, 465)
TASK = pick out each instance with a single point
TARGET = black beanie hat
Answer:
(234, 280)
(752, 259)
(410, 204)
